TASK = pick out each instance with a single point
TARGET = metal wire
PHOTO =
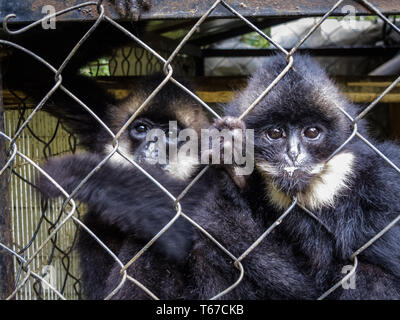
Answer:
(26, 263)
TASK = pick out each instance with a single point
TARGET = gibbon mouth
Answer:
(150, 152)
(292, 184)
(290, 170)
(293, 179)
(293, 171)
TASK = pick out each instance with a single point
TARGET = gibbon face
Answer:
(298, 126)
(139, 130)
(170, 104)
(291, 147)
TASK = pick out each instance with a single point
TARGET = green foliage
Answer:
(255, 40)
(98, 68)
(177, 34)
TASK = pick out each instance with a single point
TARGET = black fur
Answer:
(184, 279)
(363, 209)
(118, 191)
(95, 262)
(94, 137)
(135, 208)
(126, 209)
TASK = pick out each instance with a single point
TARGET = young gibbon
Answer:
(297, 127)
(170, 104)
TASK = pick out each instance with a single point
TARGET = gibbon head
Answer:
(170, 104)
(298, 126)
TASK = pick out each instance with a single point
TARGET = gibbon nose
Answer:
(293, 155)
(293, 150)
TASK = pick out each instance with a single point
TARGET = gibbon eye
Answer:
(311, 133)
(275, 133)
(141, 128)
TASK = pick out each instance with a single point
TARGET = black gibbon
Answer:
(127, 209)
(297, 127)
(126, 193)
(170, 104)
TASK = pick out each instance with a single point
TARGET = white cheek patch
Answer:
(317, 168)
(332, 178)
(183, 166)
(276, 197)
(266, 168)
(330, 183)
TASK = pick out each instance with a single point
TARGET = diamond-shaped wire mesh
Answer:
(28, 263)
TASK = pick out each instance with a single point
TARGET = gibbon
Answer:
(297, 127)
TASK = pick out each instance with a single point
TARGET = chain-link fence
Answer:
(52, 225)
(339, 33)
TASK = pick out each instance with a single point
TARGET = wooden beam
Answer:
(233, 29)
(31, 10)
(224, 89)
(356, 97)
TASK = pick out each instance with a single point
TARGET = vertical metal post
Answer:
(6, 259)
